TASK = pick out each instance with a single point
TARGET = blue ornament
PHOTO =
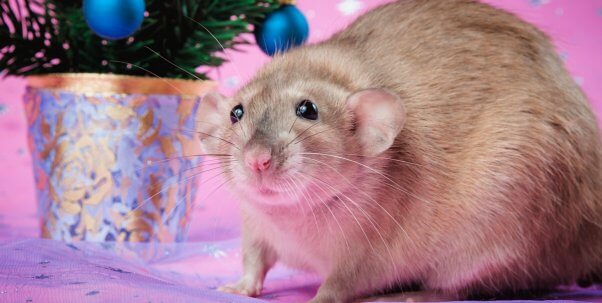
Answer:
(114, 19)
(282, 29)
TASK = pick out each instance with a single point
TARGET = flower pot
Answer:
(113, 155)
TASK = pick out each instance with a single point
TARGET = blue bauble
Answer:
(282, 29)
(114, 19)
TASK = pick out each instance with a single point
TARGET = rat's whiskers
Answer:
(224, 52)
(209, 123)
(221, 173)
(212, 136)
(192, 176)
(397, 185)
(299, 135)
(384, 158)
(366, 215)
(185, 171)
(317, 133)
(293, 124)
(218, 42)
(151, 163)
(148, 71)
(329, 210)
(306, 201)
(348, 210)
(374, 202)
(175, 65)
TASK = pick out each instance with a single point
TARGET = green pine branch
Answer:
(41, 37)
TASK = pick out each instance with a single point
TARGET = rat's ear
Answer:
(210, 119)
(380, 115)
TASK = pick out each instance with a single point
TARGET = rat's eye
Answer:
(308, 110)
(236, 113)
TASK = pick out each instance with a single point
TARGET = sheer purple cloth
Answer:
(37, 270)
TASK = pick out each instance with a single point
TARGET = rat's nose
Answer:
(258, 159)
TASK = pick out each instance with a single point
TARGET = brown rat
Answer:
(433, 142)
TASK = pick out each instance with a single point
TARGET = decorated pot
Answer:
(115, 158)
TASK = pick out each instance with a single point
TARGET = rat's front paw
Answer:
(243, 287)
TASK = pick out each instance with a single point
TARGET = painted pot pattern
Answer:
(111, 166)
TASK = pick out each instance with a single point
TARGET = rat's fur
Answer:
(494, 184)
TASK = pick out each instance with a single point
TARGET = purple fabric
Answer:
(37, 270)
(47, 271)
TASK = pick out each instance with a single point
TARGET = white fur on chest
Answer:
(300, 241)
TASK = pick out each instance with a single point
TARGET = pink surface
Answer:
(575, 27)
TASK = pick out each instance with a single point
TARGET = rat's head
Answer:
(293, 136)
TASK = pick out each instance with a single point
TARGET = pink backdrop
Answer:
(575, 26)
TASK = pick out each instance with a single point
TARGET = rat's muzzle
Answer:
(258, 159)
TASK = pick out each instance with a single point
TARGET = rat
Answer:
(438, 143)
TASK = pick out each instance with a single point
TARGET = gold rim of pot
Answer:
(90, 83)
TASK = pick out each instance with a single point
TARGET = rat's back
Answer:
(515, 144)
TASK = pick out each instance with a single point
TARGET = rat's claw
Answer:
(242, 287)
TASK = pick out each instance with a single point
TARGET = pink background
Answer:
(575, 27)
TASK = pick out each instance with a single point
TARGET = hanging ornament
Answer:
(282, 29)
(114, 19)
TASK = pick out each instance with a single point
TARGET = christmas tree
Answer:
(176, 36)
